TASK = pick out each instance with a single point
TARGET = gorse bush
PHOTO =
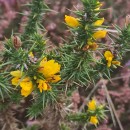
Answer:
(27, 69)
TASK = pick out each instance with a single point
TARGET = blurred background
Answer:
(12, 21)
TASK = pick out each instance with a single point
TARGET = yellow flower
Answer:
(109, 57)
(26, 93)
(115, 62)
(100, 34)
(92, 105)
(31, 55)
(94, 120)
(44, 60)
(27, 87)
(99, 4)
(15, 81)
(16, 73)
(71, 21)
(42, 85)
(49, 68)
(89, 42)
(99, 22)
(26, 84)
(54, 78)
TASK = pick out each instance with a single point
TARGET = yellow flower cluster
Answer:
(24, 82)
(97, 35)
(92, 106)
(74, 22)
(109, 57)
(49, 69)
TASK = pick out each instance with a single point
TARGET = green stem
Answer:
(37, 8)
(7, 63)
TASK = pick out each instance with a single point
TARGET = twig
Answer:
(109, 30)
(112, 106)
(67, 109)
(116, 78)
(71, 105)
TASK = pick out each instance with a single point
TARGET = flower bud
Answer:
(127, 20)
(16, 42)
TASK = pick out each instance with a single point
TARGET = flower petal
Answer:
(116, 62)
(92, 105)
(71, 21)
(54, 78)
(99, 22)
(15, 81)
(94, 120)
(108, 55)
(26, 93)
(26, 84)
(42, 85)
(16, 73)
(50, 68)
(100, 34)
(109, 64)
